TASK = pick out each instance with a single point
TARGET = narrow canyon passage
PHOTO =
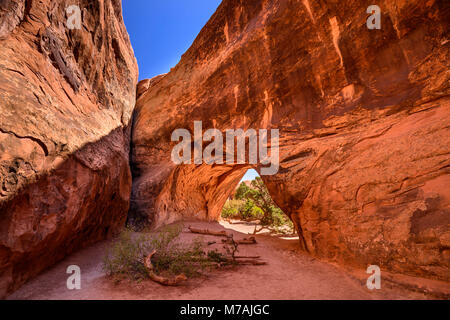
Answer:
(289, 274)
(362, 147)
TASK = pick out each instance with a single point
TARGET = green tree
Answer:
(261, 197)
(255, 202)
(241, 192)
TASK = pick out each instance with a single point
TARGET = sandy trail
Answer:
(289, 274)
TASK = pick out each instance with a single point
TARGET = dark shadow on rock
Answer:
(82, 201)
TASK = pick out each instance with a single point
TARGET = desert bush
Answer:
(216, 256)
(126, 256)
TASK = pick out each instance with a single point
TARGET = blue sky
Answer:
(162, 30)
(250, 175)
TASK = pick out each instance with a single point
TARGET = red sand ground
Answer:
(289, 274)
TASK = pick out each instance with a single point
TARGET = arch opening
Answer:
(251, 206)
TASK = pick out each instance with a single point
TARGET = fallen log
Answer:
(210, 233)
(251, 262)
(250, 240)
(247, 257)
(161, 280)
(241, 262)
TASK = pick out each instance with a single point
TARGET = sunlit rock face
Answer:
(363, 117)
(66, 99)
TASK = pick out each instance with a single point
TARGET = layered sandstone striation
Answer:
(363, 117)
(66, 100)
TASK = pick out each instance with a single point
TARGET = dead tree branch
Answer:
(209, 232)
(256, 230)
(161, 280)
(250, 240)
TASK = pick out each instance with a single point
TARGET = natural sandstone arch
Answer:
(363, 116)
(197, 192)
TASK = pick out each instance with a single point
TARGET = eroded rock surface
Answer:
(363, 116)
(66, 99)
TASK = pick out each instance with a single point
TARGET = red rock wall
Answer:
(66, 99)
(363, 117)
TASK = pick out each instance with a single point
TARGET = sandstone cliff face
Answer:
(66, 99)
(363, 116)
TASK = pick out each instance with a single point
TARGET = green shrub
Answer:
(126, 256)
(216, 256)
